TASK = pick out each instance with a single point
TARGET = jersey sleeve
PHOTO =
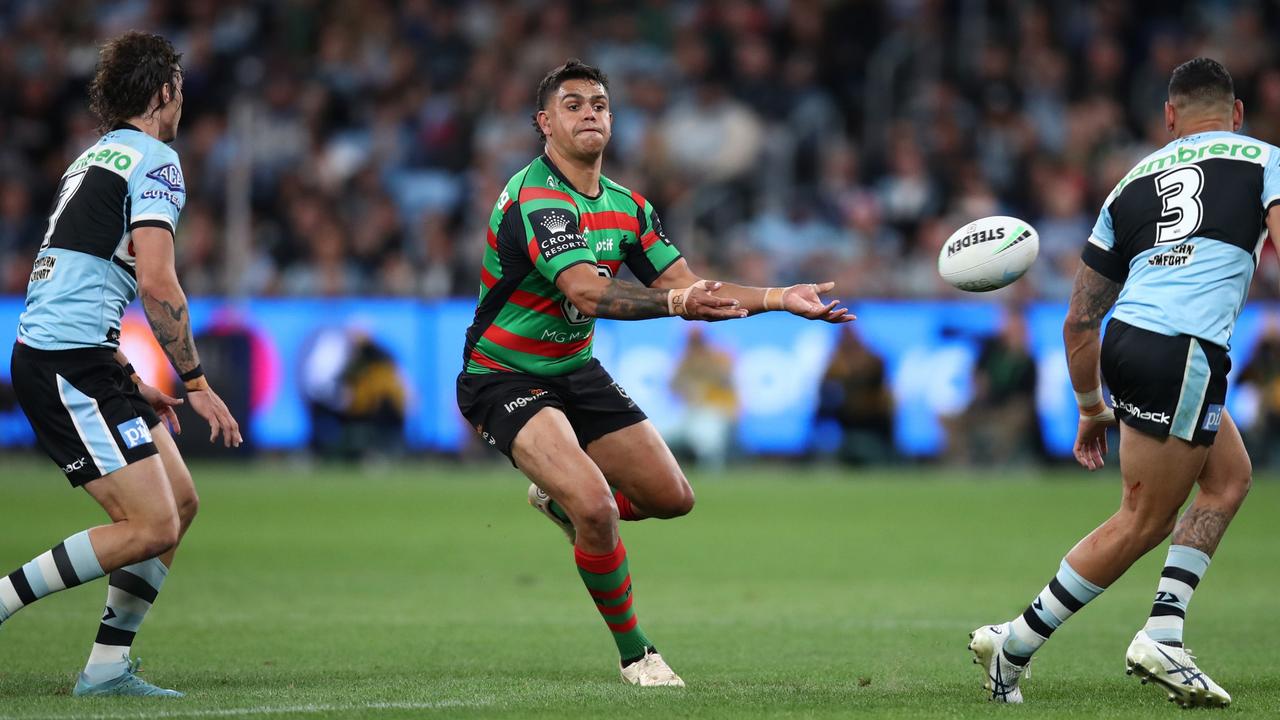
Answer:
(653, 253)
(555, 242)
(1101, 254)
(1271, 181)
(157, 194)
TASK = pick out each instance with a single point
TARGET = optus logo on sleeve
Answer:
(134, 432)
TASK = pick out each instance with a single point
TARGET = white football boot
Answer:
(1173, 669)
(541, 502)
(1000, 676)
(651, 671)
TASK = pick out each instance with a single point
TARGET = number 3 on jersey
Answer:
(1180, 217)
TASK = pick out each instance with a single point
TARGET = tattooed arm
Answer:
(604, 297)
(166, 307)
(1091, 298)
(162, 298)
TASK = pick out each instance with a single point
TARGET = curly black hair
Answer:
(574, 69)
(131, 70)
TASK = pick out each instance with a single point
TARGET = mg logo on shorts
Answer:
(1212, 418)
(134, 432)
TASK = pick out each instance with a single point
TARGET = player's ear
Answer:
(544, 122)
(1237, 115)
(1170, 115)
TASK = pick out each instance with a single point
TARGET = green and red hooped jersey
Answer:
(540, 227)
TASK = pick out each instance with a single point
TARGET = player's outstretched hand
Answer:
(805, 300)
(702, 303)
(209, 406)
(1091, 439)
(163, 405)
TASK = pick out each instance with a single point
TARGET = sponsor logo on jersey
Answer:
(561, 336)
(134, 433)
(551, 229)
(74, 466)
(43, 268)
(1212, 418)
(170, 175)
(174, 198)
(117, 158)
(1160, 418)
(555, 222)
(1176, 256)
(1192, 152)
(534, 395)
(657, 228)
(603, 245)
(975, 238)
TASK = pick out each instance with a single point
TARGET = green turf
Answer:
(790, 592)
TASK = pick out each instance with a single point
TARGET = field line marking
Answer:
(265, 710)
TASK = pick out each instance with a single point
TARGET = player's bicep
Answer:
(1092, 297)
(154, 256)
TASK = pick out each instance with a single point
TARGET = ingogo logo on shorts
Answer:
(134, 432)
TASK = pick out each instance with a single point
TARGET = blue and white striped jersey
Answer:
(84, 274)
(1182, 232)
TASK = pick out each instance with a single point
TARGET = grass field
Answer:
(436, 592)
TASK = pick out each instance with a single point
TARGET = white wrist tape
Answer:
(1089, 399)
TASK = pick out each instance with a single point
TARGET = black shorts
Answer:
(1165, 385)
(498, 405)
(87, 413)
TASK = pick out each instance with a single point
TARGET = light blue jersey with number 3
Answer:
(1182, 231)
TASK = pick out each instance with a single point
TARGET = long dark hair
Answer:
(131, 70)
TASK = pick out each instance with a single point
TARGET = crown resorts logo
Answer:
(555, 222)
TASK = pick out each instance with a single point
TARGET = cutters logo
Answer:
(72, 467)
(555, 222)
(534, 395)
(1138, 413)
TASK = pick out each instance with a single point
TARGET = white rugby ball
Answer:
(988, 254)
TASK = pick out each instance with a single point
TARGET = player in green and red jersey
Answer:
(558, 236)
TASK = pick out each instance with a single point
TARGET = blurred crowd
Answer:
(342, 147)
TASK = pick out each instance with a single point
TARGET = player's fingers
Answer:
(171, 420)
(824, 287)
(236, 437)
(170, 400)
